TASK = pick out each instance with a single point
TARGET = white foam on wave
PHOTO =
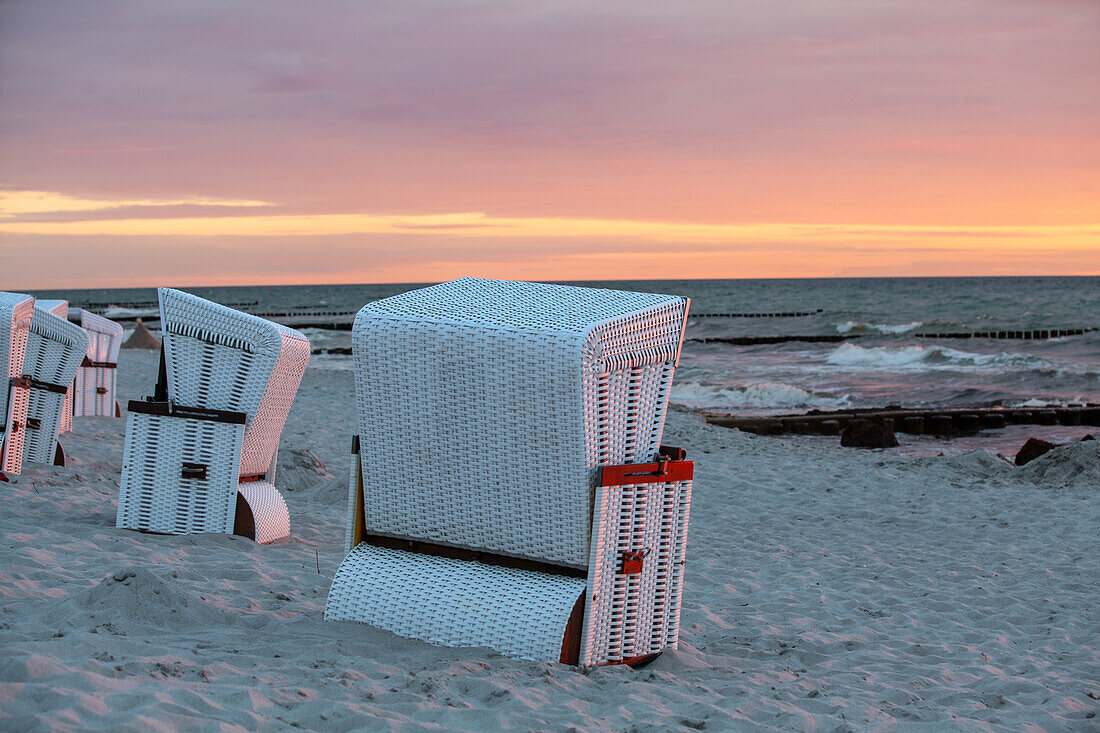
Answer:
(129, 313)
(890, 328)
(933, 357)
(898, 328)
(1035, 402)
(1004, 360)
(878, 356)
(759, 394)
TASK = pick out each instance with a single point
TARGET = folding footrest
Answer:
(520, 613)
(262, 514)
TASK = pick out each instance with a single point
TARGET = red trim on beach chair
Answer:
(664, 471)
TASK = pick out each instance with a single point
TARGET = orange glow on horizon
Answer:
(365, 247)
(1075, 237)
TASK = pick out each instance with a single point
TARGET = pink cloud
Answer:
(975, 111)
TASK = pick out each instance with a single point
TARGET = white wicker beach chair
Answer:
(16, 313)
(55, 349)
(509, 489)
(93, 392)
(60, 308)
(200, 454)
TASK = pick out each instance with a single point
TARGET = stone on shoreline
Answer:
(1032, 449)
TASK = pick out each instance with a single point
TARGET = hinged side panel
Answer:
(639, 538)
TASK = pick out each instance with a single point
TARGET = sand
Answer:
(826, 590)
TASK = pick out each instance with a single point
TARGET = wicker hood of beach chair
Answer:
(16, 313)
(488, 501)
(93, 392)
(200, 455)
(55, 349)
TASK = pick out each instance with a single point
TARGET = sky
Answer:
(205, 142)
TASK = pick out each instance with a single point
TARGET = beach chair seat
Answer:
(94, 389)
(55, 349)
(508, 486)
(200, 454)
(16, 313)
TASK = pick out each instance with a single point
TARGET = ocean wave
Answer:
(878, 356)
(760, 394)
(1036, 402)
(931, 357)
(131, 313)
(893, 329)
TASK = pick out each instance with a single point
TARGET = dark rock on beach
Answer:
(1032, 449)
(868, 434)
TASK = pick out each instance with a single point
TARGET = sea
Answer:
(890, 354)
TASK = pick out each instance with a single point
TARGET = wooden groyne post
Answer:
(945, 422)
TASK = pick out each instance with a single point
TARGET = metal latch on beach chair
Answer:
(632, 561)
(663, 470)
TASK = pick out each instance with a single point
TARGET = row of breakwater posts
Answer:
(102, 307)
(342, 320)
(329, 320)
(798, 314)
(941, 423)
(1034, 334)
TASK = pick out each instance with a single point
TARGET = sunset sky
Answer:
(206, 142)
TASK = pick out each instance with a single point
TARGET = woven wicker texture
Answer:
(269, 510)
(455, 603)
(629, 616)
(152, 494)
(215, 358)
(16, 312)
(60, 308)
(495, 402)
(221, 358)
(94, 388)
(55, 349)
(489, 407)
